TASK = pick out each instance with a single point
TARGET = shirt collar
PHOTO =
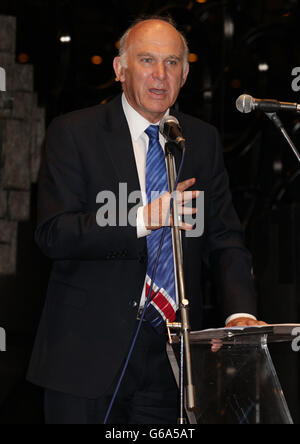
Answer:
(137, 123)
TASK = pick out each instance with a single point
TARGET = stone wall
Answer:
(22, 129)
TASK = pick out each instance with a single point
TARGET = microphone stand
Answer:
(184, 325)
(277, 122)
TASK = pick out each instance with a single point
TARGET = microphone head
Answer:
(245, 104)
(170, 129)
(166, 123)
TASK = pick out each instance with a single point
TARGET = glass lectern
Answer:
(233, 374)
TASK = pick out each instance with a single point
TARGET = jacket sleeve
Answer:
(66, 227)
(230, 261)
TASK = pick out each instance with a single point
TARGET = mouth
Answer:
(158, 93)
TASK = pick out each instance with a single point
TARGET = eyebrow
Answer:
(149, 54)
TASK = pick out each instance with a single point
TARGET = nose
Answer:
(160, 71)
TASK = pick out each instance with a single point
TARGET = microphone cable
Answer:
(148, 299)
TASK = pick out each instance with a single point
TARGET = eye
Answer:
(146, 60)
(172, 62)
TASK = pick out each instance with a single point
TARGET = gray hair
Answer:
(124, 39)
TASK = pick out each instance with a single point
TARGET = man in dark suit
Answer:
(97, 283)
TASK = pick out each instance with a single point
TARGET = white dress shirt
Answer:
(140, 142)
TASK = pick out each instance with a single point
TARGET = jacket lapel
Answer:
(120, 150)
(119, 145)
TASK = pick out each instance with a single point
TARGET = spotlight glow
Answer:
(96, 60)
(193, 57)
(263, 67)
(65, 39)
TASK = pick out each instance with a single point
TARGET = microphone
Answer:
(247, 104)
(169, 127)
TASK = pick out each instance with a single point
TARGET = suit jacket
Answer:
(98, 273)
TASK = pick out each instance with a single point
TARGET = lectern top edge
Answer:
(270, 333)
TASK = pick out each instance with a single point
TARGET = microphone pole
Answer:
(278, 123)
(185, 353)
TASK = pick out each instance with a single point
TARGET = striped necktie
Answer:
(163, 305)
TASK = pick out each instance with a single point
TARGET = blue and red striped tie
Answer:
(163, 305)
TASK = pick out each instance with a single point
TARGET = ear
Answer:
(185, 74)
(118, 68)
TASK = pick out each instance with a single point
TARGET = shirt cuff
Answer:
(239, 315)
(140, 224)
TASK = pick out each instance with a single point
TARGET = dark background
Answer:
(231, 39)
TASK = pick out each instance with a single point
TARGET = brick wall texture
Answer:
(22, 130)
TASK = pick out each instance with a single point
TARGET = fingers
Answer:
(182, 196)
(245, 322)
(186, 210)
(186, 184)
(216, 345)
(186, 196)
(186, 227)
(156, 213)
(182, 210)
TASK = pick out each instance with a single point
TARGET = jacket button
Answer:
(133, 304)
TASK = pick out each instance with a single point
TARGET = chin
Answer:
(160, 107)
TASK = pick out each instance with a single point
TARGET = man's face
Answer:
(155, 68)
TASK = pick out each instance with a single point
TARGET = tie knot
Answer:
(152, 132)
